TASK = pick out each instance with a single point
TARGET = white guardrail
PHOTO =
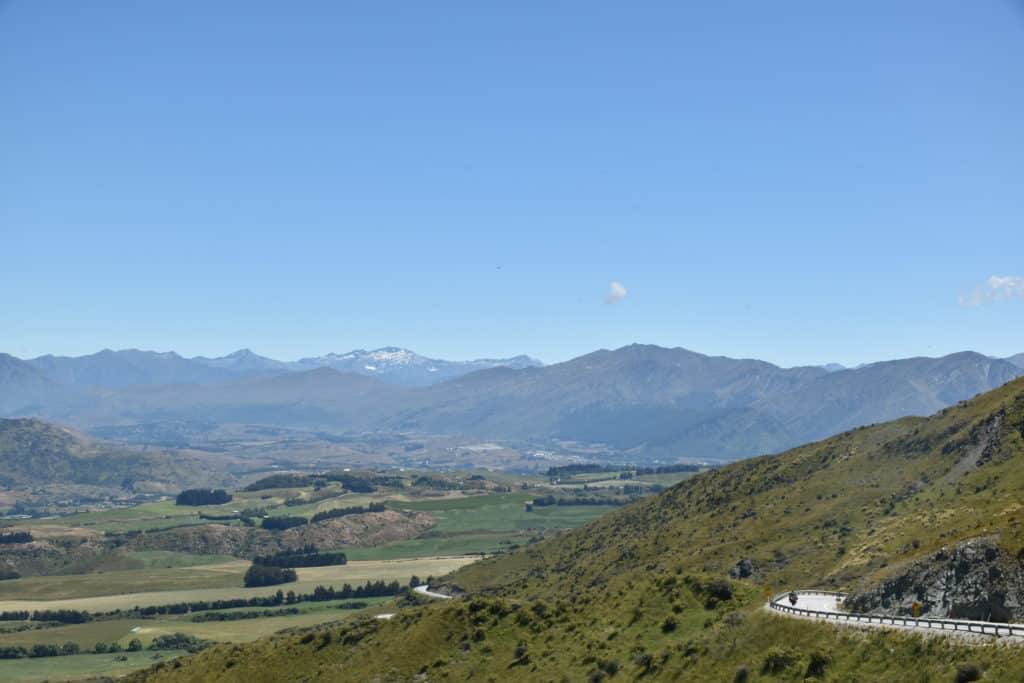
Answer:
(781, 603)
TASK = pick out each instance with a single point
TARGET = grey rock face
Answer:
(974, 580)
(745, 568)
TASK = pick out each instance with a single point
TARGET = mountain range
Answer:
(640, 400)
(132, 367)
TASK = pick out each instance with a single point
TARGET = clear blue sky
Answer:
(797, 181)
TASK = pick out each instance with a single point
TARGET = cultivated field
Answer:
(91, 593)
(455, 518)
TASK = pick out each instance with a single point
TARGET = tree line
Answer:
(307, 556)
(10, 537)
(203, 497)
(589, 468)
(262, 614)
(174, 641)
(545, 501)
(263, 575)
(371, 589)
(61, 616)
(364, 482)
(282, 523)
(344, 512)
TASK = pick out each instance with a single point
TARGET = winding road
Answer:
(425, 590)
(827, 606)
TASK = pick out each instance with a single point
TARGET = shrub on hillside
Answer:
(178, 641)
(777, 660)
(965, 673)
(818, 664)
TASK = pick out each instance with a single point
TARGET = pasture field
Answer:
(77, 667)
(108, 597)
(146, 629)
(502, 513)
(472, 517)
(439, 545)
(148, 580)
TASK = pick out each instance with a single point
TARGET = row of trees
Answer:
(545, 501)
(285, 480)
(356, 482)
(308, 556)
(69, 648)
(174, 641)
(282, 523)
(589, 468)
(344, 512)
(370, 589)
(10, 537)
(61, 616)
(203, 497)
(237, 616)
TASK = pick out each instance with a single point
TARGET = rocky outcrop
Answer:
(974, 580)
(743, 569)
(374, 528)
(50, 556)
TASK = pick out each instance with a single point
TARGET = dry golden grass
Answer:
(353, 573)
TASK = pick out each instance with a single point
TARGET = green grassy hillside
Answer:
(642, 593)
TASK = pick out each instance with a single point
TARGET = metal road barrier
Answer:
(962, 625)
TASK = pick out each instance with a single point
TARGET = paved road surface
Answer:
(824, 605)
(425, 590)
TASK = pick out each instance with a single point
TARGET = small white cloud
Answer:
(616, 292)
(996, 288)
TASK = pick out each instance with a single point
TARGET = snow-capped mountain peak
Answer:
(402, 366)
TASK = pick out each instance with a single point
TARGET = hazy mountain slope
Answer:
(321, 398)
(885, 391)
(640, 592)
(1017, 360)
(131, 367)
(684, 403)
(624, 397)
(24, 389)
(244, 361)
(640, 400)
(116, 369)
(36, 453)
